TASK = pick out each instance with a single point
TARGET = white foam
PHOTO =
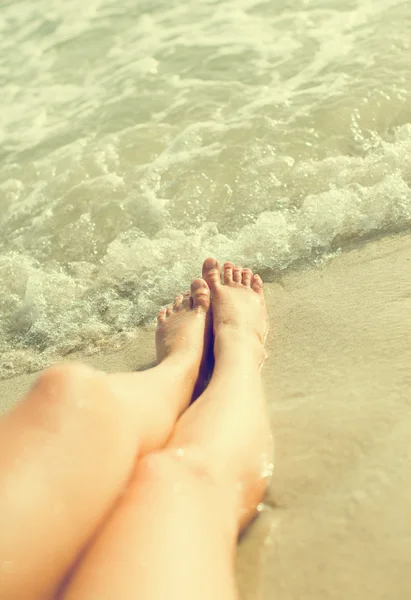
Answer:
(137, 142)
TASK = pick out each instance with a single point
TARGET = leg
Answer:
(171, 538)
(68, 450)
(174, 533)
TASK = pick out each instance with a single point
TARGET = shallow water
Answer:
(137, 140)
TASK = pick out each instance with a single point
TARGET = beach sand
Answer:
(338, 378)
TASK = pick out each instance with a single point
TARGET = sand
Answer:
(338, 378)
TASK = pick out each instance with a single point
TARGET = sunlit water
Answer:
(139, 137)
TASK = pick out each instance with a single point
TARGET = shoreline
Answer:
(338, 381)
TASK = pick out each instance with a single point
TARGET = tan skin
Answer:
(114, 486)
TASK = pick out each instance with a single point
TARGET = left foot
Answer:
(184, 332)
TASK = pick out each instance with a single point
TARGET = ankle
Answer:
(182, 376)
(180, 363)
(239, 347)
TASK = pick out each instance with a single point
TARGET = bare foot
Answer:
(238, 305)
(184, 332)
(240, 323)
(227, 428)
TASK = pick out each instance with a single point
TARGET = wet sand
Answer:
(338, 378)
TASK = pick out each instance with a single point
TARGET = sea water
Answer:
(136, 138)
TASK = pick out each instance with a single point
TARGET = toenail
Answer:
(198, 284)
(210, 263)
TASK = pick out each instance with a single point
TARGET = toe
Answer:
(246, 277)
(211, 273)
(161, 315)
(187, 300)
(237, 271)
(178, 302)
(200, 293)
(169, 310)
(257, 284)
(228, 273)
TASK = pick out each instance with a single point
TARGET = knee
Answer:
(75, 395)
(69, 387)
(58, 381)
(185, 481)
(156, 467)
(170, 466)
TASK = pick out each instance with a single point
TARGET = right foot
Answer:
(227, 429)
(238, 306)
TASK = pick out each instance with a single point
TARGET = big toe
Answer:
(200, 293)
(211, 273)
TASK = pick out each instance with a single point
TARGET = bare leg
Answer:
(68, 450)
(174, 533)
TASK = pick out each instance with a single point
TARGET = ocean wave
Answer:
(137, 141)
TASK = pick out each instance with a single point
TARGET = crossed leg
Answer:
(68, 450)
(173, 535)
